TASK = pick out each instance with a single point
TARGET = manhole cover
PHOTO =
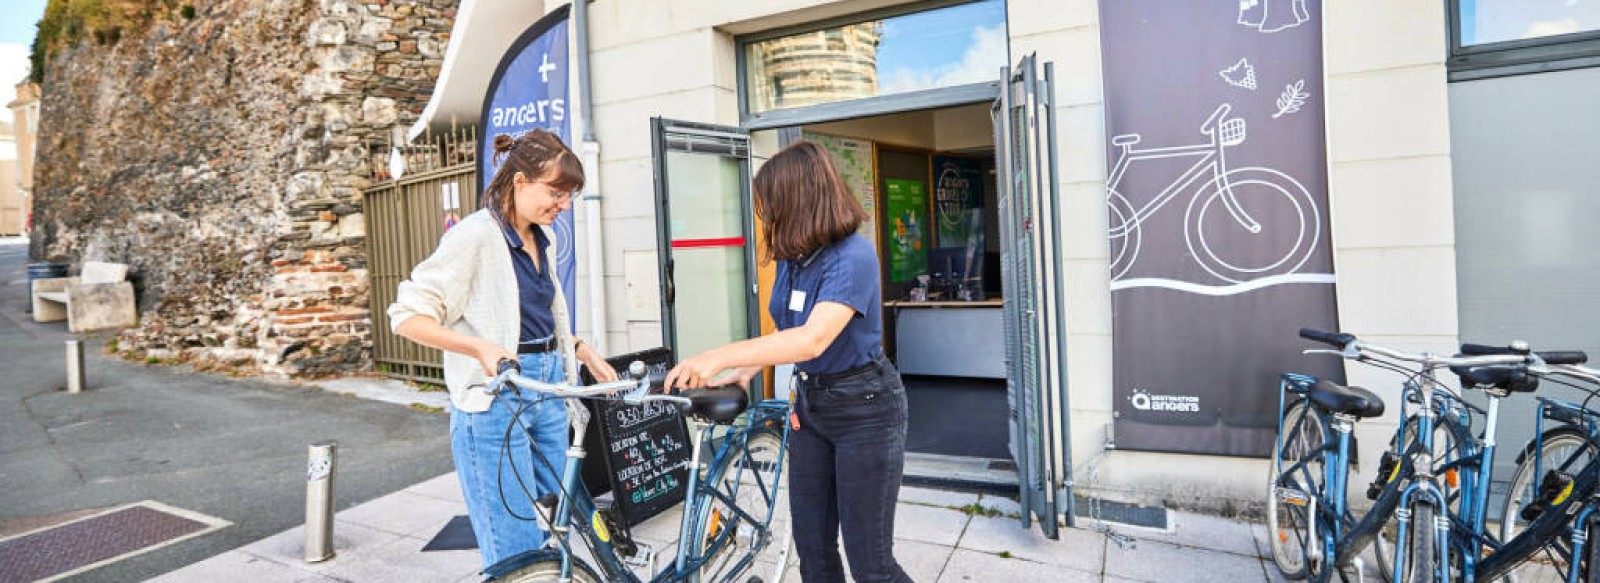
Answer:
(55, 552)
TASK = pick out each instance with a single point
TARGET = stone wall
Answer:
(222, 158)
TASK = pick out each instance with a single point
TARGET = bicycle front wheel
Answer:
(741, 528)
(1298, 476)
(549, 571)
(1567, 450)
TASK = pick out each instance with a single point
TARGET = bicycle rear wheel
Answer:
(1298, 476)
(753, 479)
(1563, 449)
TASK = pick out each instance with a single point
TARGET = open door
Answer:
(1030, 271)
(703, 222)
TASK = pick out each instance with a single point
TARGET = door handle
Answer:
(667, 283)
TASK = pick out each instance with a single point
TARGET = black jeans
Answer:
(845, 466)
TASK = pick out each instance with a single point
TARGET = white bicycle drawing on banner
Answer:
(1237, 246)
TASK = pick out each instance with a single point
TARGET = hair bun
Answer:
(503, 143)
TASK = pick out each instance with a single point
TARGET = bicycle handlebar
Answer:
(1352, 348)
(639, 390)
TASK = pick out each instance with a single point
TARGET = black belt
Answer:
(539, 346)
(878, 362)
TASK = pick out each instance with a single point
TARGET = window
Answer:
(1493, 38)
(948, 46)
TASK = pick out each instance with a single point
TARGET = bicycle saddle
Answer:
(1514, 378)
(719, 406)
(1341, 399)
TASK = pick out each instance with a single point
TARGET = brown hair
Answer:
(803, 203)
(534, 154)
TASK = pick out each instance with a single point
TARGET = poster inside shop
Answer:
(906, 217)
(958, 220)
(853, 158)
(1217, 195)
(529, 91)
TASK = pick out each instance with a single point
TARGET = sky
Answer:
(18, 22)
(960, 44)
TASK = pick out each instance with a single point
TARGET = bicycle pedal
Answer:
(644, 556)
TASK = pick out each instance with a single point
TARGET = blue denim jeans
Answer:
(485, 457)
(845, 467)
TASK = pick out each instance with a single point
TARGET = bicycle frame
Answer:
(576, 508)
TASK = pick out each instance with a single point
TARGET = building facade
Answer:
(1430, 211)
(17, 186)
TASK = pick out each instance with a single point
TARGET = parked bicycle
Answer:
(1312, 530)
(1272, 223)
(730, 524)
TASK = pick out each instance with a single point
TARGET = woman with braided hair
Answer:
(490, 293)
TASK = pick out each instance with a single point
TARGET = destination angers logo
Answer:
(1143, 400)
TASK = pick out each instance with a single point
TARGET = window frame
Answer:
(875, 105)
(1517, 57)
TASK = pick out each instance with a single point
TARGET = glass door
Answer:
(1036, 358)
(703, 220)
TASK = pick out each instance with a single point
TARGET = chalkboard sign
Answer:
(643, 450)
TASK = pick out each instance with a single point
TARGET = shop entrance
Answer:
(927, 179)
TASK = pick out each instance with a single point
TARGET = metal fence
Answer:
(438, 185)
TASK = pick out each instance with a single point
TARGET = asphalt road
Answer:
(230, 448)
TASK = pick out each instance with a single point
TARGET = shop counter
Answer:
(956, 339)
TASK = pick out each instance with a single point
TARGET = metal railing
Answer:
(405, 218)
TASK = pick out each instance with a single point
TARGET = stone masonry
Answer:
(222, 158)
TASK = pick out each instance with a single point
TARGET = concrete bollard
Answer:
(319, 502)
(75, 366)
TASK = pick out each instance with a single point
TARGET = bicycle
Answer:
(1235, 188)
(735, 481)
(1308, 498)
(1555, 468)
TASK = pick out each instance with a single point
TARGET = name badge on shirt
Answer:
(797, 301)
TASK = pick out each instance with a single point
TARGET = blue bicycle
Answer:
(1313, 532)
(731, 524)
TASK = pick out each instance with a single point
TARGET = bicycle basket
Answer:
(1232, 132)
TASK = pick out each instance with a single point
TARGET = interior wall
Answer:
(967, 127)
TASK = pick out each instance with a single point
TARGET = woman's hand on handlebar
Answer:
(490, 354)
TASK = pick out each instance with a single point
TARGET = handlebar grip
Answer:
(1338, 339)
(1549, 356)
(1470, 349)
(1564, 356)
(506, 364)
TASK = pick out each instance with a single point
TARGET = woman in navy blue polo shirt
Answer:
(847, 444)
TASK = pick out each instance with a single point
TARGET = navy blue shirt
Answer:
(846, 273)
(535, 291)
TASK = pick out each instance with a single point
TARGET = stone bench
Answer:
(97, 299)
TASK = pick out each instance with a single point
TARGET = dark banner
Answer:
(1217, 196)
(528, 92)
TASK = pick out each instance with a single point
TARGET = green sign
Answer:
(905, 229)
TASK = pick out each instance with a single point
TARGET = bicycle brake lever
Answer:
(1322, 351)
(636, 396)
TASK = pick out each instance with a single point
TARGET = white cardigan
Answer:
(469, 286)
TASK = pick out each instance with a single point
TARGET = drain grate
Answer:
(87, 543)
